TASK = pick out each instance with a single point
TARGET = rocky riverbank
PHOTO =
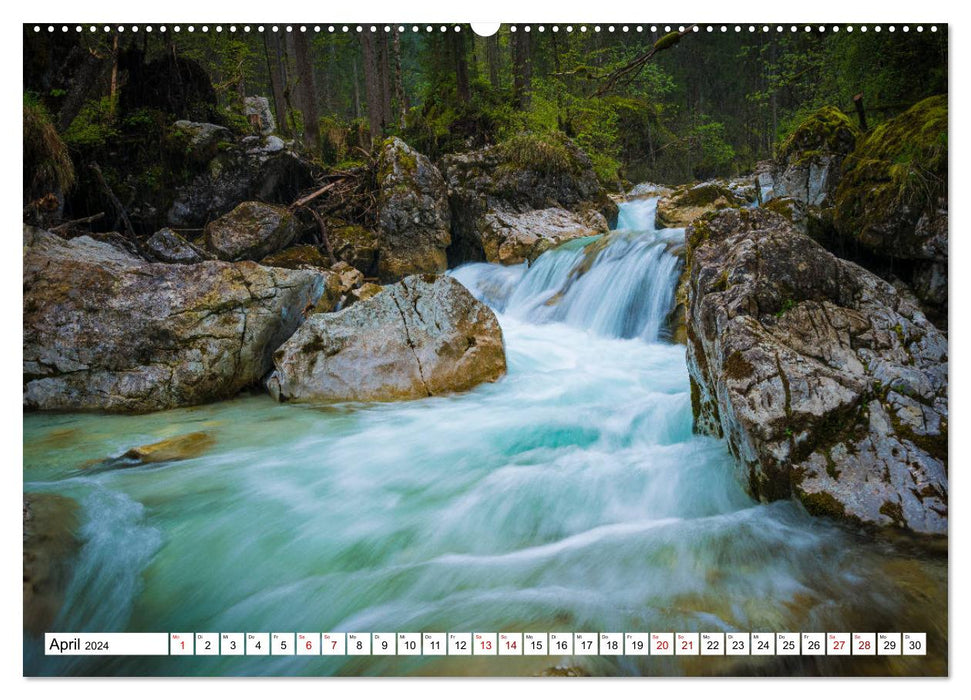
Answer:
(824, 368)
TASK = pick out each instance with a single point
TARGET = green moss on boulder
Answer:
(895, 178)
(825, 130)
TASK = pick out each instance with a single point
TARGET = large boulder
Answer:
(251, 231)
(246, 169)
(529, 172)
(106, 331)
(423, 336)
(828, 383)
(511, 238)
(684, 204)
(892, 198)
(808, 165)
(202, 141)
(413, 217)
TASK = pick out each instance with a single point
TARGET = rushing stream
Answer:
(569, 496)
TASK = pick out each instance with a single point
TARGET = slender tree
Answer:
(372, 84)
(306, 91)
(522, 68)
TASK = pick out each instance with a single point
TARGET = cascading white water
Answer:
(618, 288)
(570, 495)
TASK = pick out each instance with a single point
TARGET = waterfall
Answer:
(619, 285)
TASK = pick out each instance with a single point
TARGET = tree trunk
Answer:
(306, 92)
(384, 64)
(276, 87)
(492, 59)
(522, 68)
(113, 95)
(357, 89)
(372, 86)
(456, 46)
(399, 86)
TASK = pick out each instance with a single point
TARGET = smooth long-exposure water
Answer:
(571, 495)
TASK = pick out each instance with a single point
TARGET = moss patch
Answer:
(896, 174)
(546, 153)
(825, 130)
(737, 367)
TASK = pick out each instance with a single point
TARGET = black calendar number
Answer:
(410, 645)
(461, 645)
(259, 645)
(788, 645)
(232, 646)
(561, 645)
(433, 645)
(612, 645)
(812, 645)
(208, 645)
(738, 645)
(889, 644)
(639, 645)
(914, 645)
(586, 644)
(712, 645)
(762, 646)
(283, 644)
(360, 645)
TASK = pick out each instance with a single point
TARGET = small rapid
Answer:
(572, 495)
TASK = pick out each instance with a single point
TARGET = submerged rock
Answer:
(423, 336)
(251, 231)
(686, 203)
(106, 331)
(171, 449)
(413, 216)
(528, 174)
(828, 384)
(167, 246)
(50, 548)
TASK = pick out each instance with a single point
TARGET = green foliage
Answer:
(47, 164)
(546, 153)
(94, 125)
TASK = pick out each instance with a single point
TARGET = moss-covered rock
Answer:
(298, 257)
(521, 176)
(827, 130)
(892, 198)
(807, 167)
(688, 202)
(251, 231)
(413, 215)
(355, 245)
